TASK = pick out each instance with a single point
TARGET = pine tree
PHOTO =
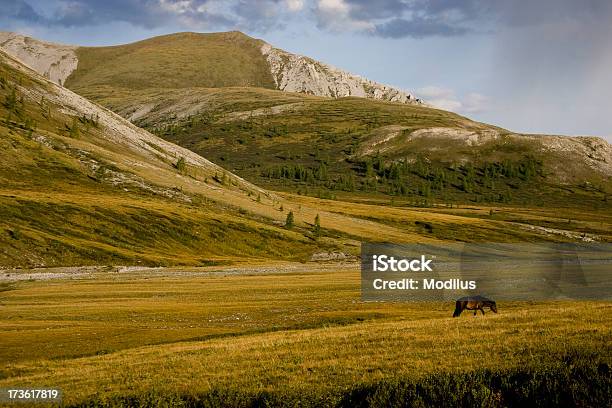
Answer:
(317, 226)
(289, 220)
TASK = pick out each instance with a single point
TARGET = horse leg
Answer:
(458, 310)
(482, 310)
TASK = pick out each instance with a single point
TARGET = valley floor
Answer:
(113, 337)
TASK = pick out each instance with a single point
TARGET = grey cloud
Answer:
(425, 18)
(368, 10)
(258, 15)
(385, 18)
(143, 13)
(418, 28)
(19, 10)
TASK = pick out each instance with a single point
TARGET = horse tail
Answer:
(458, 309)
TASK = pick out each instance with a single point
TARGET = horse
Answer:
(474, 303)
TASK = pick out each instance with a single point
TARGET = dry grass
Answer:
(290, 333)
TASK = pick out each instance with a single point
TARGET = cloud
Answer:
(19, 10)
(384, 18)
(253, 15)
(445, 98)
(429, 18)
(295, 5)
(418, 28)
(258, 15)
(400, 18)
(474, 102)
(336, 15)
(438, 97)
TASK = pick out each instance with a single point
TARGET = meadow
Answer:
(290, 334)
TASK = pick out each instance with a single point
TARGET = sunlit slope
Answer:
(80, 185)
(333, 147)
(173, 61)
(184, 60)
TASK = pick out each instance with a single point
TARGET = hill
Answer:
(218, 95)
(81, 185)
(478, 182)
(210, 60)
(348, 147)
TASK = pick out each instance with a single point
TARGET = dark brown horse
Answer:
(474, 303)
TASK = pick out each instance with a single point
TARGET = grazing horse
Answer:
(474, 303)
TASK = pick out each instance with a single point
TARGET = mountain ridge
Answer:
(286, 71)
(326, 145)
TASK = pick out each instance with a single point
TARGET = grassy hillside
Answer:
(207, 92)
(206, 60)
(80, 188)
(80, 185)
(353, 147)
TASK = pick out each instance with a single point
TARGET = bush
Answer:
(181, 165)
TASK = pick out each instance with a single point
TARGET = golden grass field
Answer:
(301, 331)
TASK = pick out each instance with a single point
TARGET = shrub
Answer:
(181, 165)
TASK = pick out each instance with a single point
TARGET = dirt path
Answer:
(131, 272)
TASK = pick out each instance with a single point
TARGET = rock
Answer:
(296, 73)
(329, 256)
(53, 61)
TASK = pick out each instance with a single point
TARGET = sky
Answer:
(532, 66)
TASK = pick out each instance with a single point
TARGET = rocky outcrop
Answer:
(296, 73)
(53, 61)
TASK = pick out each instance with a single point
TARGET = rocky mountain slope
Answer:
(53, 61)
(222, 59)
(81, 185)
(297, 73)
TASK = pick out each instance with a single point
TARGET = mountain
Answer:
(354, 146)
(204, 60)
(297, 73)
(80, 185)
(217, 95)
(53, 61)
